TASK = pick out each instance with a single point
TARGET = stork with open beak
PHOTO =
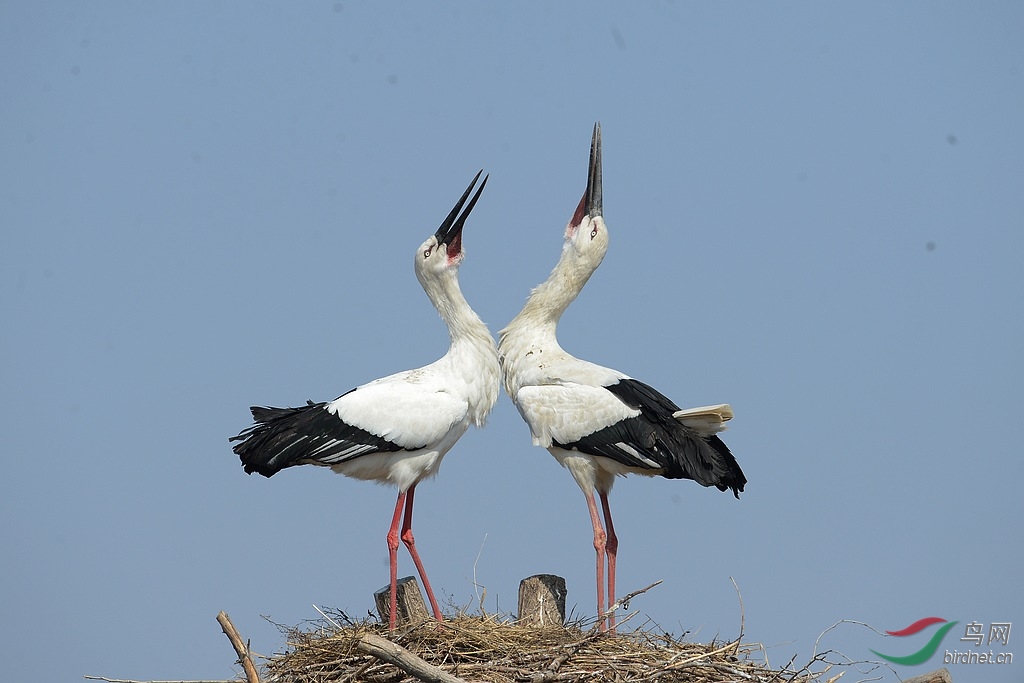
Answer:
(395, 430)
(597, 422)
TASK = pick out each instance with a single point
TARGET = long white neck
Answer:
(472, 354)
(464, 325)
(549, 300)
(529, 343)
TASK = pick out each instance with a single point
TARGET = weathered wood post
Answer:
(411, 608)
(542, 601)
(937, 676)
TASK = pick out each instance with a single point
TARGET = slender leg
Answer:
(611, 547)
(410, 543)
(599, 548)
(393, 559)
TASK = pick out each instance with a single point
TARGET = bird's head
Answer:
(443, 250)
(586, 236)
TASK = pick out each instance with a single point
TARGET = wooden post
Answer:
(937, 676)
(411, 608)
(542, 601)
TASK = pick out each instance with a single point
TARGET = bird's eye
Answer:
(593, 232)
(426, 252)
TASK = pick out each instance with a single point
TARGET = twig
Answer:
(129, 680)
(241, 649)
(358, 672)
(480, 598)
(731, 670)
(697, 658)
(776, 676)
(849, 661)
(392, 653)
(626, 618)
(333, 622)
(623, 603)
(739, 596)
(551, 672)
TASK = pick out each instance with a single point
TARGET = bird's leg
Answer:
(410, 543)
(600, 541)
(611, 547)
(393, 559)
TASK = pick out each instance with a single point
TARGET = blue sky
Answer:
(816, 214)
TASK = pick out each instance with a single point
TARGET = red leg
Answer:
(393, 559)
(599, 548)
(611, 547)
(410, 543)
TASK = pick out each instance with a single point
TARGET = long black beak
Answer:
(594, 201)
(450, 232)
(591, 203)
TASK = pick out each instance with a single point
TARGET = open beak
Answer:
(450, 232)
(594, 203)
(591, 204)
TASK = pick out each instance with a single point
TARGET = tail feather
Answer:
(683, 443)
(706, 420)
(273, 442)
(731, 476)
(311, 434)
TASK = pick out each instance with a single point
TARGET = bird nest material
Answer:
(473, 648)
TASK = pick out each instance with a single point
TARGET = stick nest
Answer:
(477, 648)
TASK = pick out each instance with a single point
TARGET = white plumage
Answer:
(395, 430)
(597, 422)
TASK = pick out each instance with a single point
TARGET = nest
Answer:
(474, 648)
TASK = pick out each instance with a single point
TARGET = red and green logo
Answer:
(930, 647)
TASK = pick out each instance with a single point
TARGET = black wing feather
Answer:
(283, 437)
(679, 451)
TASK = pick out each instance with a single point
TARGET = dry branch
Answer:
(743, 616)
(623, 602)
(384, 649)
(241, 649)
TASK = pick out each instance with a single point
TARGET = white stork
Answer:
(598, 422)
(395, 430)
